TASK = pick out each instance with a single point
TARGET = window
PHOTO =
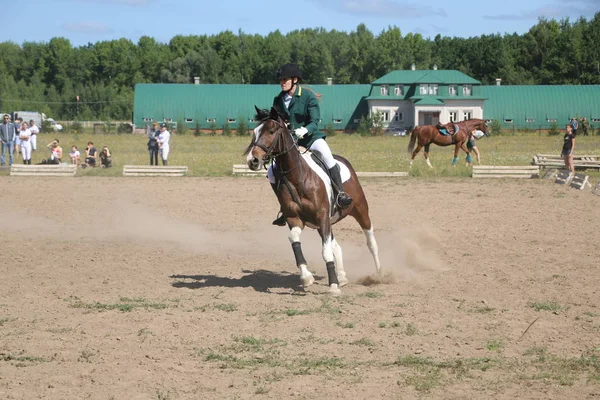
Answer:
(231, 120)
(488, 121)
(595, 119)
(508, 121)
(467, 90)
(251, 119)
(357, 120)
(337, 121)
(398, 116)
(530, 120)
(452, 90)
(147, 119)
(189, 120)
(467, 115)
(168, 120)
(211, 120)
(399, 90)
(452, 115)
(428, 89)
(385, 116)
(551, 120)
(385, 90)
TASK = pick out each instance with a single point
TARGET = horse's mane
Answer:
(317, 95)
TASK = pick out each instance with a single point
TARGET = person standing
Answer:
(18, 123)
(34, 129)
(302, 108)
(574, 125)
(25, 136)
(163, 143)
(153, 134)
(8, 132)
(584, 126)
(568, 148)
(472, 146)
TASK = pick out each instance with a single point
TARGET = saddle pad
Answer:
(344, 172)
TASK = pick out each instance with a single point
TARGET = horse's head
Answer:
(481, 125)
(268, 140)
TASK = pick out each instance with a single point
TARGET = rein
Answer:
(271, 151)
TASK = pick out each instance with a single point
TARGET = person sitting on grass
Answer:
(90, 155)
(75, 156)
(105, 158)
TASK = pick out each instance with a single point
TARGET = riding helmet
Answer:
(289, 71)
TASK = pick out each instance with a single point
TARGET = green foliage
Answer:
(213, 128)
(51, 75)
(197, 130)
(495, 127)
(75, 127)
(553, 131)
(182, 127)
(226, 129)
(242, 127)
(330, 131)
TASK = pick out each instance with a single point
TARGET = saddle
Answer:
(447, 129)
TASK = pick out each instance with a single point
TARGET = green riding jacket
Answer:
(303, 111)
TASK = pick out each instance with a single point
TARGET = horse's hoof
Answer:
(307, 280)
(343, 281)
(334, 290)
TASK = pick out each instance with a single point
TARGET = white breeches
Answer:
(319, 146)
(26, 149)
(33, 140)
(164, 152)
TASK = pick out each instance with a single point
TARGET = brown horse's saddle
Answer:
(448, 129)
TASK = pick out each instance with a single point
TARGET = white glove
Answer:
(300, 132)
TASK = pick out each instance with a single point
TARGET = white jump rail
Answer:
(503, 171)
(155, 170)
(43, 170)
(243, 170)
(556, 161)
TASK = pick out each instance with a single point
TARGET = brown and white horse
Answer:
(305, 196)
(425, 135)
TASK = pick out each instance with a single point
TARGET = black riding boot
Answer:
(342, 199)
(280, 221)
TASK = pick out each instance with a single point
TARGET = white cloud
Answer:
(86, 27)
(381, 8)
(575, 9)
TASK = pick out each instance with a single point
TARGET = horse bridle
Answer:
(270, 151)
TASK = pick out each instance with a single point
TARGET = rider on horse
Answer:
(302, 108)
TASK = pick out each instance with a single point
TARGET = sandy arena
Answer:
(132, 288)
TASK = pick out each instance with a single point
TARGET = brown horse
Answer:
(428, 134)
(305, 196)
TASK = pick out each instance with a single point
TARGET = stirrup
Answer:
(343, 200)
(280, 221)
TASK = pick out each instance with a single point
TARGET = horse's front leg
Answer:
(455, 159)
(306, 278)
(327, 239)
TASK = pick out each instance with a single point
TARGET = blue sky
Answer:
(90, 21)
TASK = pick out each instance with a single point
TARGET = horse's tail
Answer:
(413, 138)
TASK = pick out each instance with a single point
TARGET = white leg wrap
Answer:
(339, 263)
(372, 245)
(429, 163)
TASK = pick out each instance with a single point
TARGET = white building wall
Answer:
(392, 106)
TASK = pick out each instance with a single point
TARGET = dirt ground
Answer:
(127, 288)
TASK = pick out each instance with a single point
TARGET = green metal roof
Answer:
(408, 77)
(540, 102)
(340, 104)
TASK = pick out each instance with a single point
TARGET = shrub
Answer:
(242, 127)
(554, 131)
(330, 131)
(213, 128)
(226, 129)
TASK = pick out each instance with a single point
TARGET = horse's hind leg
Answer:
(414, 154)
(426, 154)
(361, 215)
(339, 262)
(306, 278)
